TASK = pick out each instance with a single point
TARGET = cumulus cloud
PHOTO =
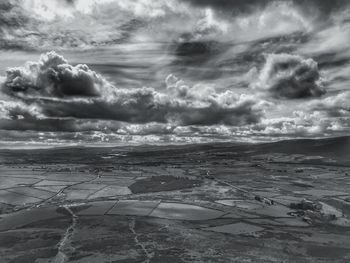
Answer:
(327, 116)
(59, 90)
(302, 124)
(53, 76)
(334, 106)
(290, 76)
(14, 110)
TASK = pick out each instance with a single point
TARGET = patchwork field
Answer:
(279, 202)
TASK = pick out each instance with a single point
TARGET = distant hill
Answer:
(335, 148)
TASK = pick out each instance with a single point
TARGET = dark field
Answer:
(279, 202)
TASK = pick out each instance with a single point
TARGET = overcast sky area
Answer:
(173, 71)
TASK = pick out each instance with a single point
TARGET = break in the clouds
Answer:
(174, 70)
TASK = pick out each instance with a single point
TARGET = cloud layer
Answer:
(251, 68)
(51, 95)
(40, 24)
(51, 88)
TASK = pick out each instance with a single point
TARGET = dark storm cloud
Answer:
(144, 106)
(290, 76)
(51, 88)
(324, 6)
(52, 75)
(39, 125)
(229, 5)
(57, 125)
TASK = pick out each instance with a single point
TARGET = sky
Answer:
(173, 71)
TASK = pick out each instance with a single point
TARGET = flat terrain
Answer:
(279, 202)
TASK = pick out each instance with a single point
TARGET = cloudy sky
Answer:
(173, 71)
